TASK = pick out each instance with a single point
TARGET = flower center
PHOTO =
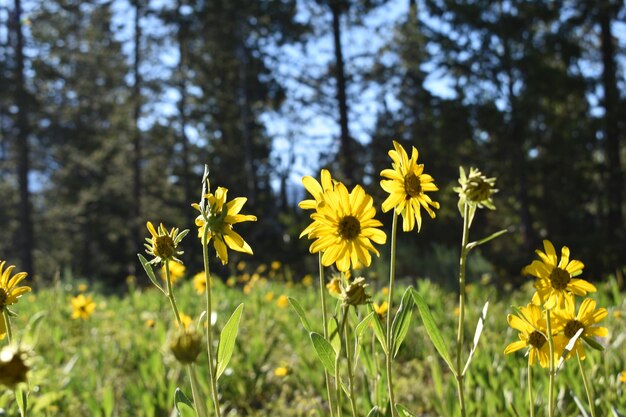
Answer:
(3, 298)
(572, 327)
(536, 339)
(559, 278)
(164, 246)
(412, 185)
(349, 227)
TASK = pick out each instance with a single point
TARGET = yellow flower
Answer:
(261, 268)
(316, 189)
(199, 282)
(532, 327)
(231, 281)
(82, 307)
(307, 280)
(177, 271)
(241, 265)
(9, 291)
(163, 245)
(586, 319)
(283, 301)
(281, 371)
(555, 280)
(385, 290)
(275, 265)
(334, 287)
(381, 310)
(407, 185)
(269, 296)
(622, 376)
(221, 216)
(150, 323)
(186, 321)
(344, 227)
(82, 288)
(476, 189)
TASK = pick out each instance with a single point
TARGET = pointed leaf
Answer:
(374, 412)
(180, 236)
(31, 335)
(362, 326)
(378, 330)
(403, 411)
(183, 405)
(499, 233)
(227, 341)
(300, 312)
(477, 333)
(402, 320)
(325, 352)
(433, 330)
(148, 268)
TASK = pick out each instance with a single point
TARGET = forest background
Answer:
(109, 110)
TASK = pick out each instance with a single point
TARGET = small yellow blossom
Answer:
(150, 323)
(186, 320)
(381, 310)
(231, 282)
(307, 280)
(275, 265)
(261, 268)
(385, 290)
(199, 282)
(281, 371)
(269, 296)
(622, 376)
(82, 287)
(334, 287)
(82, 307)
(177, 271)
(283, 301)
(241, 265)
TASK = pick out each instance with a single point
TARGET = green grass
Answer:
(115, 365)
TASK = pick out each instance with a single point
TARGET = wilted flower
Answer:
(13, 366)
(186, 346)
(354, 294)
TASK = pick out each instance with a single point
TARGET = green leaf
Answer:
(227, 341)
(333, 334)
(300, 312)
(46, 400)
(477, 333)
(403, 411)
(31, 334)
(402, 320)
(183, 405)
(499, 233)
(21, 396)
(325, 352)
(378, 330)
(374, 412)
(433, 330)
(148, 268)
(593, 343)
(362, 326)
(108, 402)
(180, 236)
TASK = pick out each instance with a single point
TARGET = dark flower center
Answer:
(349, 227)
(572, 327)
(559, 278)
(164, 246)
(536, 339)
(412, 185)
(3, 298)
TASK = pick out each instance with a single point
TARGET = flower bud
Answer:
(475, 189)
(186, 346)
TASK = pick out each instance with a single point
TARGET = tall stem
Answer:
(170, 294)
(325, 324)
(531, 401)
(459, 337)
(7, 322)
(207, 275)
(588, 391)
(551, 368)
(389, 352)
(346, 309)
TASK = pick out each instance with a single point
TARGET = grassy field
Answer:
(117, 362)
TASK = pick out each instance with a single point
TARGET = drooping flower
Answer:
(186, 346)
(587, 318)
(9, 289)
(354, 293)
(531, 324)
(163, 245)
(344, 228)
(407, 186)
(82, 307)
(217, 222)
(13, 366)
(556, 279)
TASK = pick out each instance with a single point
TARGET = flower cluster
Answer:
(553, 307)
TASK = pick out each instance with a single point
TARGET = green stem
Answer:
(588, 391)
(207, 275)
(325, 324)
(170, 294)
(551, 368)
(200, 406)
(459, 337)
(337, 357)
(7, 322)
(531, 401)
(389, 352)
(349, 359)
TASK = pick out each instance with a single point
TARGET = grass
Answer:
(115, 364)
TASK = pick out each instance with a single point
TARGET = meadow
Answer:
(117, 363)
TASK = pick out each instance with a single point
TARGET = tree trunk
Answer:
(23, 149)
(182, 105)
(136, 212)
(615, 220)
(346, 158)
